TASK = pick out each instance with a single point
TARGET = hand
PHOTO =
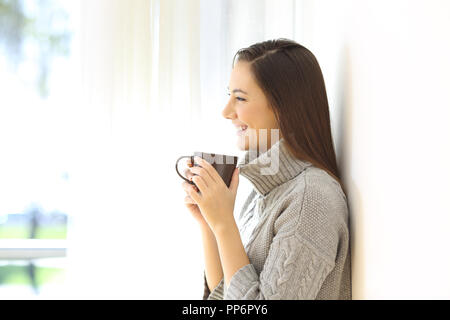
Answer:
(215, 200)
(190, 204)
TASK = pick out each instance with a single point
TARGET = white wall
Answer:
(390, 111)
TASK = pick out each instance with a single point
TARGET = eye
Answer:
(238, 98)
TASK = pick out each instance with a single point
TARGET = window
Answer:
(37, 53)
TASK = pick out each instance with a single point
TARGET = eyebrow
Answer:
(238, 90)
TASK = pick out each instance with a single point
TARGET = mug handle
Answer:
(176, 167)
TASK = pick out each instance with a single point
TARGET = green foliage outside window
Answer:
(34, 30)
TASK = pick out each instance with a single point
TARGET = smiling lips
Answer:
(241, 129)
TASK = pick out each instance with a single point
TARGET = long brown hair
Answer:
(292, 81)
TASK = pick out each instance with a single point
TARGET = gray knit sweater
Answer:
(299, 249)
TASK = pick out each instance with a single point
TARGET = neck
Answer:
(269, 169)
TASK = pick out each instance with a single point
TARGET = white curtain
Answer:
(154, 84)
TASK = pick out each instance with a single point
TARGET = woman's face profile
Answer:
(249, 107)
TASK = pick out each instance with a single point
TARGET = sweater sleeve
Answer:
(297, 264)
(216, 294)
(293, 270)
(206, 291)
(219, 291)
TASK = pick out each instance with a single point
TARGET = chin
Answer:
(242, 145)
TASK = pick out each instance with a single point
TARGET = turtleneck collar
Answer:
(271, 168)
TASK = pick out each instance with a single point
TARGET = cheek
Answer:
(270, 120)
(246, 116)
(251, 115)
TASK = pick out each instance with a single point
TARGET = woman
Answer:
(292, 237)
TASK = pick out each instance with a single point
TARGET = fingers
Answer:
(190, 175)
(187, 173)
(193, 196)
(200, 183)
(189, 187)
(193, 192)
(203, 174)
(205, 165)
(189, 163)
(188, 199)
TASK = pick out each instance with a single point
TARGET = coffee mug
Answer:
(223, 164)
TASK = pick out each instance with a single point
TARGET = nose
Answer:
(228, 112)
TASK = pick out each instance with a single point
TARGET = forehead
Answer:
(241, 77)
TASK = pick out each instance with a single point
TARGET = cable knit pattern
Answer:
(294, 271)
(299, 249)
